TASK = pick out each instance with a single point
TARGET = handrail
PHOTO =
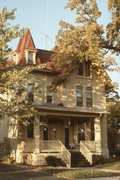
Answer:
(51, 146)
(86, 152)
(66, 155)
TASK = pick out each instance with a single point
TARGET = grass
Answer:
(77, 173)
(110, 166)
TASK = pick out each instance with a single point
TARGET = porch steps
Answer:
(78, 160)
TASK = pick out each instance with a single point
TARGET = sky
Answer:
(42, 17)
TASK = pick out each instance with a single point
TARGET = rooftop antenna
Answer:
(46, 36)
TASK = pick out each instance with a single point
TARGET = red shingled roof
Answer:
(25, 42)
(42, 56)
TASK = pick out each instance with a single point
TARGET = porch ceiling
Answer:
(66, 111)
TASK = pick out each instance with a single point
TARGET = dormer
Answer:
(25, 52)
(15, 56)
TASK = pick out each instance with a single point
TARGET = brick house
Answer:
(74, 114)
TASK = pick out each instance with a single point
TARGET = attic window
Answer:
(84, 69)
(30, 57)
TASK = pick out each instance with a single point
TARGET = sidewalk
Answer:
(22, 169)
(106, 178)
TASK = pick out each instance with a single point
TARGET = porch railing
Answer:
(50, 146)
(26, 146)
(66, 155)
(91, 145)
(88, 148)
(86, 152)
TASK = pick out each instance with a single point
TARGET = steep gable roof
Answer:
(25, 42)
(42, 56)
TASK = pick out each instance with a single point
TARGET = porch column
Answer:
(105, 151)
(98, 135)
(36, 155)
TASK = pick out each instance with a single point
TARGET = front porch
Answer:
(61, 134)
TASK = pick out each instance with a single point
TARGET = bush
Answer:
(117, 153)
(4, 148)
(97, 159)
(8, 159)
(54, 161)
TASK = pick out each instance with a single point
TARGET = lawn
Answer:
(77, 173)
(110, 166)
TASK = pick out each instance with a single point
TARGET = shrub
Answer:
(4, 148)
(54, 161)
(97, 159)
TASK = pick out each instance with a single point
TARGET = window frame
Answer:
(30, 92)
(89, 100)
(30, 60)
(84, 69)
(79, 97)
(49, 96)
(81, 136)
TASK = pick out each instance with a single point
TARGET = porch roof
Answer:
(70, 111)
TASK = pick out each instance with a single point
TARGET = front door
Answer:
(67, 137)
(45, 134)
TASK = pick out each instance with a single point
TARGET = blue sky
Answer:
(43, 16)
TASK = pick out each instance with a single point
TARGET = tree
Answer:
(13, 96)
(87, 40)
(113, 119)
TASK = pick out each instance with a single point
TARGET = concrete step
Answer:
(78, 160)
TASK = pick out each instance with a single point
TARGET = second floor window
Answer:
(31, 92)
(49, 94)
(89, 97)
(30, 57)
(79, 96)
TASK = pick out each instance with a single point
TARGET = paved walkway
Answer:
(106, 178)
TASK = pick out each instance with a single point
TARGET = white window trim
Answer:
(46, 94)
(89, 85)
(84, 95)
(81, 85)
(34, 55)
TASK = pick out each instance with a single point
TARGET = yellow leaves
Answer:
(113, 4)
